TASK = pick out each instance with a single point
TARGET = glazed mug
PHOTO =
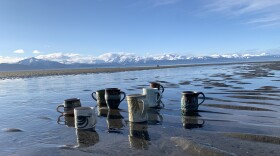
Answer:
(138, 135)
(86, 138)
(69, 105)
(113, 97)
(153, 96)
(99, 97)
(157, 85)
(189, 101)
(137, 111)
(69, 120)
(85, 117)
(115, 121)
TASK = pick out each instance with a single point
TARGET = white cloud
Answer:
(36, 52)
(10, 59)
(19, 51)
(260, 12)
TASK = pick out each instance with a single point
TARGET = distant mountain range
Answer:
(121, 59)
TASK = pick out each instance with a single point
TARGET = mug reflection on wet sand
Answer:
(192, 120)
(115, 121)
(69, 105)
(103, 111)
(154, 117)
(69, 120)
(138, 135)
(86, 138)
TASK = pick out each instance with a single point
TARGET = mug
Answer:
(100, 97)
(138, 135)
(69, 120)
(113, 97)
(69, 105)
(137, 111)
(154, 116)
(85, 117)
(189, 101)
(115, 121)
(191, 121)
(86, 138)
(153, 96)
(157, 85)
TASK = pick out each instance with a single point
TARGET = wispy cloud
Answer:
(19, 51)
(259, 12)
(36, 52)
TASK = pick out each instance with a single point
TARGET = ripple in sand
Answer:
(12, 130)
(265, 88)
(184, 83)
(237, 107)
(255, 137)
(44, 118)
(252, 97)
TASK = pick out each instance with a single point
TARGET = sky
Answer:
(41, 28)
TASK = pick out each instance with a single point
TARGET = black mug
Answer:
(113, 97)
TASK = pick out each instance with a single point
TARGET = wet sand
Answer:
(239, 117)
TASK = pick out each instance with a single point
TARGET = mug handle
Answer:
(160, 95)
(94, 98)
(162, 88)
(203, 97)
(59, 120)
(57, 108)
(124, 95)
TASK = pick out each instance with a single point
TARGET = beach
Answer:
(240, 115)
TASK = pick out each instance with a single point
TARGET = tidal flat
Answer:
(240, 116)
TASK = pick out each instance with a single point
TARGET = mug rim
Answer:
(100, 90)
(135, 95)
(72, 99)
(112, 89)
(189, 92)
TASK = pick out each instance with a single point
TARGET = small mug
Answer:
(137, 111)
(189, 101)
(157, 85)
(69, 105)
(153, 96)
(69, 120)
(115, 121)
(99, 97)
(113, 97)
(85, 117)
(86, 138)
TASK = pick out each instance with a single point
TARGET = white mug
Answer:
(137, 111)
(152, 98)
(85, 117)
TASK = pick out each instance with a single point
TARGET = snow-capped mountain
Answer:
(40, 63)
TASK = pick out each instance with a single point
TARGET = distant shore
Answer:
(41, 73)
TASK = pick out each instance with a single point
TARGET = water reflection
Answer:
(115, 121)
(154, 116)
(69, 120)
(191, 120)
(86, 138)
(102, 111)
(138, 135)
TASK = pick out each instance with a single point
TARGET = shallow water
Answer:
(238, 101)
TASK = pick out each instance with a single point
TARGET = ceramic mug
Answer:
(85, 117)
(86, 138)
(138, 135)
(189, 101)
(113, 97)
(69, 105)
(99, 97)
(69, 120)
(137, 111)
(115, 121)
(153, 96)
(157, 85)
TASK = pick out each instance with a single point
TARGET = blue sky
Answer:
(143, 27)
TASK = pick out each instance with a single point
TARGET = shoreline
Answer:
(59, 72)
